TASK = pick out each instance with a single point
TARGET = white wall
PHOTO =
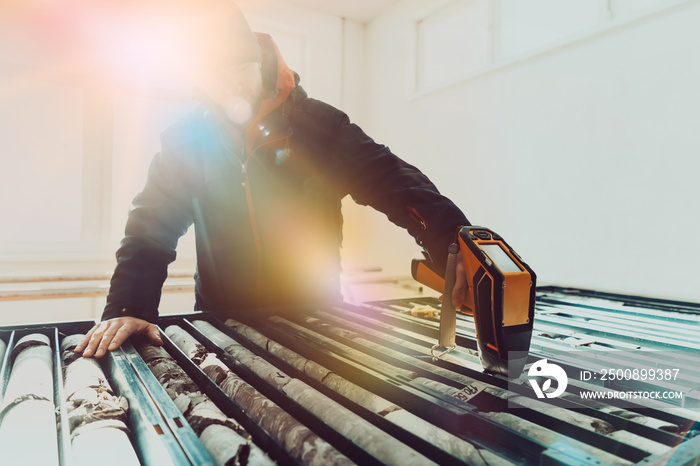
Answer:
(585, 157)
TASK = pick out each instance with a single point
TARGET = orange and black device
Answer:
(501, 297)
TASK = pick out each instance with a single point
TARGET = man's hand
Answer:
(459, 293)
(110, 334)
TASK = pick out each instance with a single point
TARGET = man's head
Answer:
(230, 59)
(222, 35)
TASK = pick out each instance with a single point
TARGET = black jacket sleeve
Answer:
(160, 215)
(374, 176)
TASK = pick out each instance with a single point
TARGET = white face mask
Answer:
(238, 110)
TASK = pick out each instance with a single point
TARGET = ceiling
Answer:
(358, 10)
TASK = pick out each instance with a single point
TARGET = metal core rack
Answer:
(372, 364)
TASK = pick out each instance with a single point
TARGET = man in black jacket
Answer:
(260, 170)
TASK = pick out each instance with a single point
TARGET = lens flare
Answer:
(143, 49)
(157, 43)
(281, 155)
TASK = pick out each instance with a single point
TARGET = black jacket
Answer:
(265, 202)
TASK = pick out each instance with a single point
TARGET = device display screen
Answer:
(500, 258)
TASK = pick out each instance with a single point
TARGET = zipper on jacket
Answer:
(253, 225)
(246, 155)
(417, 217)
(251, 210)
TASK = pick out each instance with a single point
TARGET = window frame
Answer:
(95, 243)
(96, 246)
(609, 19)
